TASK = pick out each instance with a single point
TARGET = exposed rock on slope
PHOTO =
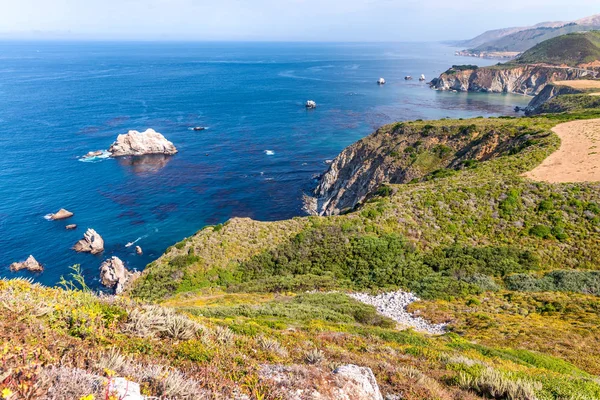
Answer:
(114, 275)
(30, 264)
(549, 92)
(400, 154)
(136, 143)
(92, 242)
(526, 79)
(347, 382)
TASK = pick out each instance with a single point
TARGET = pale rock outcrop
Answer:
(525, 79)
(357, 383)
(71, 227)
(61, 214)
(138, 250)
(347, 382)
(114, 275)
(136, 143)
(92, 242)
(31, 264)
(124, 389)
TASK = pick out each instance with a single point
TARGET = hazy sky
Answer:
(324, 20)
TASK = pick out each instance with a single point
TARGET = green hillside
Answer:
(261, 311)
(572, 49)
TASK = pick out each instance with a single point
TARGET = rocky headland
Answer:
(136, 143)
(114, 275)
(519, 79)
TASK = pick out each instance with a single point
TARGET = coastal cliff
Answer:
(525, 79)
(404, 153)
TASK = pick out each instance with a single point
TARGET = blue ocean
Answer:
(259, 153)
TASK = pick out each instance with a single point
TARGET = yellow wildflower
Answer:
(88, 397)
(6, 393)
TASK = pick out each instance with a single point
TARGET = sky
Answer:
(277, 20)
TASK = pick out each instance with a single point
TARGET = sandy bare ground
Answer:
(581, 84)
(577, 159)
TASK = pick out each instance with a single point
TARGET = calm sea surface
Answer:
(261, 149)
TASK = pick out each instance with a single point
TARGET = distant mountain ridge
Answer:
(519, 39)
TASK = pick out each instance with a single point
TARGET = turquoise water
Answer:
(258, 155)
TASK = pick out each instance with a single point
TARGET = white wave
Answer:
(135, 241)
(269, 152)
(48, 217)
(105, 154)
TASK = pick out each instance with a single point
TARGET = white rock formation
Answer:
(31, 264)
(299, 382)
(393, 305)
(359, 382)
(114, 275)
(311, 104)
(92, 242)
(138, 250)
(123, 389)
(381, 81)
(136, 143)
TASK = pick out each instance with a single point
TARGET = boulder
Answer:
(71, 226)
(136, 143)
(359, 382)
(61, 214)
(124, 389)
(138, 250)
(299, 382)
(30, 264)
(92, 242)
(114, 275)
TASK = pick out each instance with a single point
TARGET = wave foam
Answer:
(93, 159)
(269, 152)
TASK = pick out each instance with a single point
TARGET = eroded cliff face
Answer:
(402, 153)
(549, 92)
(526, 79)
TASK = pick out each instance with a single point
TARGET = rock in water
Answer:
(114, 275)
(359, 382)
(30, 264)
(138, 250)
(136, 143)
(61, 214)
(71, 226)
(92, 242)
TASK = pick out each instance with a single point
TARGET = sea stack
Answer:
(31, 264)
(61, 214)
(381, 81)
(136, 143)
(92, 242)
(310, 104)
(138, 250)
(114, 275)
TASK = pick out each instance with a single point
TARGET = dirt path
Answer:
(577, 159)
(581, 84)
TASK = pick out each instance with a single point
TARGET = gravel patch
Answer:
(393, 305)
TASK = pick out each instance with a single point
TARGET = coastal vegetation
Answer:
(259, 310)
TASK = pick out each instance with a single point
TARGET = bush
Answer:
(587, 282)
(541, 231)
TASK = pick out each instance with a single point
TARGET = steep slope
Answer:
(526, 39)
(509, 41)
(572, 50)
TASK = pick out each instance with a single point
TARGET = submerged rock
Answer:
(31, 264)
(114, 275)
(61, 214)
(92, 242)
(136, 143)
(138, 250)
(71, 226)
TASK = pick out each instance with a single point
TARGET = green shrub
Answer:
(541, 231)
